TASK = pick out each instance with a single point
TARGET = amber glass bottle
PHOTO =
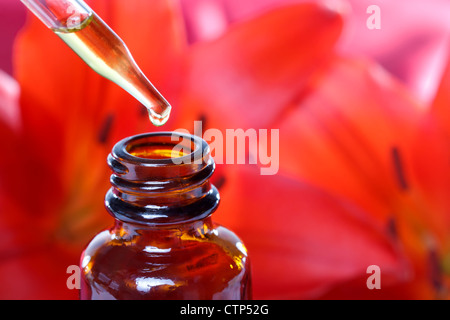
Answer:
(163, 244)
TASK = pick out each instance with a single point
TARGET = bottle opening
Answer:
(161, 148)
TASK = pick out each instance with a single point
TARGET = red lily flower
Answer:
(369, 152)
(346, 127)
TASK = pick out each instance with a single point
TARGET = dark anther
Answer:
(398, 168)
(392, 228)
(105, 129)
(220, 182)
(202, 118)
(435, 270)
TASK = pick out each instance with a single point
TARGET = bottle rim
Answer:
(198, 148)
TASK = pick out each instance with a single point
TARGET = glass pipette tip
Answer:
(100, 48)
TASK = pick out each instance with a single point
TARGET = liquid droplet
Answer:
(159, 119)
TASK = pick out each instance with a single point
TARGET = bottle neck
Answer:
(161, 179)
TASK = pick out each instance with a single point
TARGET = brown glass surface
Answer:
(172, 249)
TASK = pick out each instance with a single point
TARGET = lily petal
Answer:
(9, 101)
(303, 241)
(246, 78)
(440, 106)
(348, 141)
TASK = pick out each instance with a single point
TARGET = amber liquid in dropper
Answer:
(98, 46)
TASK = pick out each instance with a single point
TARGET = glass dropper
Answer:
(97, 45)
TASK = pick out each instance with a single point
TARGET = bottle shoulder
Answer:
(204, 263)
(216, 235)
